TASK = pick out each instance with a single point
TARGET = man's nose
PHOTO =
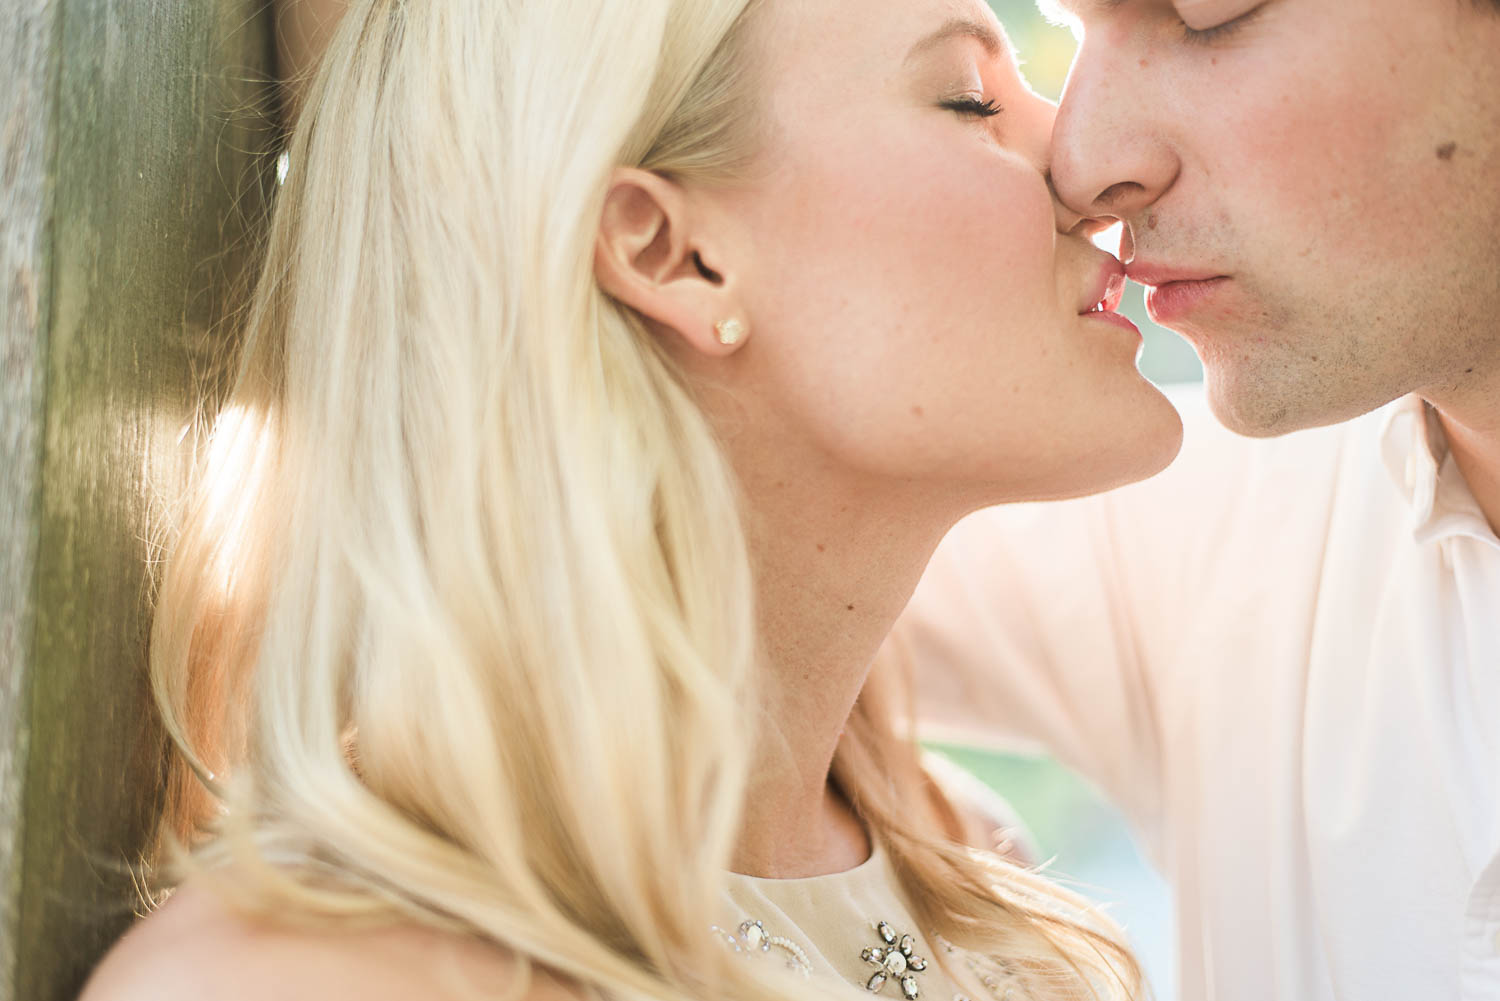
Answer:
(1109, 158)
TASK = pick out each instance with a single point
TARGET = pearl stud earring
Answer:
(730, 332)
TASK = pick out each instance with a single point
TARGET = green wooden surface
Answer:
(147, 121)
(26, 52)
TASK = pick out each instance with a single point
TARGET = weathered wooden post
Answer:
(135, 166)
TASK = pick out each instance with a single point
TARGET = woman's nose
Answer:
(1039, 116)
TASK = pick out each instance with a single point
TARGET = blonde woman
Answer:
(614, 371)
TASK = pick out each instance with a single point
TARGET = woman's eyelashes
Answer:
(978, 107)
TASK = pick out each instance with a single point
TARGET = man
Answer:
(1281, 657)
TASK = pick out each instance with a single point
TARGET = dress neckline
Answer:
(874, 863)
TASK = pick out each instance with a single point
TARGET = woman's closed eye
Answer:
(970, 104)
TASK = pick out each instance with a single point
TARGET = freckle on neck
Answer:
(1446, 150)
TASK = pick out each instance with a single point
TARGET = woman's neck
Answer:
(835, 564)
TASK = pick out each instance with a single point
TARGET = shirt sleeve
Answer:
(1061, 626)
(1019, 636)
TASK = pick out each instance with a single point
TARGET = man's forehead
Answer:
(1077, 10)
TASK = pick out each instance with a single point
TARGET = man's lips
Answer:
(1174, 291)
(1157, 275)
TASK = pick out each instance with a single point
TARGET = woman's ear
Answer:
(649, 256)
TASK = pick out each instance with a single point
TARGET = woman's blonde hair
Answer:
(458, 627)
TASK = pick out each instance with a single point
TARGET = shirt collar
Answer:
(1416, 454)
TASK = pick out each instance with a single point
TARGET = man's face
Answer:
(1333, 166)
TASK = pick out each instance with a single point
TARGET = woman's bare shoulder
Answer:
(195, 947)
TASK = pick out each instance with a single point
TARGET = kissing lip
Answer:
(1174, 292)
(1157, 275)
(1107, 289)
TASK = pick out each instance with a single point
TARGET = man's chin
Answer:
(1256, 406)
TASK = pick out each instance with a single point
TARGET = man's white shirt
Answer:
(1282, 659)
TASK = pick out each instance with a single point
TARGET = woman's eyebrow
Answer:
(960, 27)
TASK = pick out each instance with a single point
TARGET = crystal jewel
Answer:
(755, 935)
(896, 961)
(756, 938)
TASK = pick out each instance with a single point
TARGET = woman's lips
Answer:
(1108, 287)
(1107, 291)
(1114, 319)
(1173, 300)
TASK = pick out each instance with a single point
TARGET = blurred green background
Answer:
(1087, 843)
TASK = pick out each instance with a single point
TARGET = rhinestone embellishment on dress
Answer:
(987, 978)
(895, 960)
(753, 937)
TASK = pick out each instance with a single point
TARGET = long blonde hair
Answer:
(458, 627)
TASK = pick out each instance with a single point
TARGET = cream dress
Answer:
(854, 928)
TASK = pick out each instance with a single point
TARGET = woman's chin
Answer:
(1147, 441)
(1113, 447)
(1161, 436)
